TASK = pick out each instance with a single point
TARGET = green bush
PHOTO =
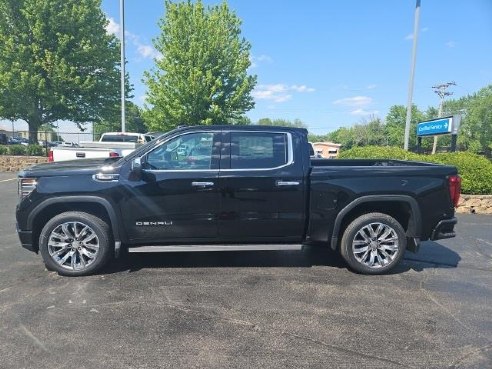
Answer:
(4, 150)
(475, 170)
(17, 150)
(378, 152)
(36, 150)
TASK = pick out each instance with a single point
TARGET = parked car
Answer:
(3, 139)
(245, 188)
(111, 144)
(14, 140)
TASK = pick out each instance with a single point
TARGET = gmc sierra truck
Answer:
(227, 188)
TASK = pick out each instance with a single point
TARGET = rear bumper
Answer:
(444, 229)
(25, 238)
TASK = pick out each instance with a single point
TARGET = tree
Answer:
(476, 129)
(296, 123)
(343, 136)
(134, 121)
(56, 62)
(202, 77)
(395, 124)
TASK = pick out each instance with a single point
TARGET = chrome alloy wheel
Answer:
(375, 245)
(73, 245)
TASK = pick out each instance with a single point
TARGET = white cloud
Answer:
(450, 44)
(113, 27)
(410, 35)
(302, 88)
(355, 101)
(256, 60)
(279, 92)
(147, 51)
(143, 49)
(371, 86)
(362, 112)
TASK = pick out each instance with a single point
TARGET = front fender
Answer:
(78, 199)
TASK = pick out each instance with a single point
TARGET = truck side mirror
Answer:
(137, 168)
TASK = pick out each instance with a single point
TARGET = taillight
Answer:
(50, 156)
(454, 189)
(113, 154)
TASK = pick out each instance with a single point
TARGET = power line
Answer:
(441, 91)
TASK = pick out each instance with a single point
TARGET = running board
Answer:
(194, 248)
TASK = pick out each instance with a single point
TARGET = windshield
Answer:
(119, 138)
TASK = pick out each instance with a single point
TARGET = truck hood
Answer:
(64, 168)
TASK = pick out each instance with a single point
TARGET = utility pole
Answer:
(122, 43)
(442, 91)
(412, 74)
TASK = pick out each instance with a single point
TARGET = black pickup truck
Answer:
(217, 188)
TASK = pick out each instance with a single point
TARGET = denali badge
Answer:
(165, 223)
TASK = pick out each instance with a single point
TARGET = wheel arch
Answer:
(94, 205)
(403, 208)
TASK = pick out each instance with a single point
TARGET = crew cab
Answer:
(219, 188)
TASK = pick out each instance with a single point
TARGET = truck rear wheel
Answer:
(373, 243)
(75, 243)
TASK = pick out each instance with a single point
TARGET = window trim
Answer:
(290, 153)
(214, 132)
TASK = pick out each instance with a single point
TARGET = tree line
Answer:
(58, 62)
(475, 133)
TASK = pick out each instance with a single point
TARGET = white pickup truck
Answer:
(111, 144)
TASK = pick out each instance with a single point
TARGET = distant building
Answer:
(42, 135)
(328, 150)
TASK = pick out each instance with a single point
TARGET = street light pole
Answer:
(412, 74)
(122, 43)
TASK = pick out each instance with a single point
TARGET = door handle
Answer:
(287, 183)
(202, 184)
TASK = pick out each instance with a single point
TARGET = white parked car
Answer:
(111, 144)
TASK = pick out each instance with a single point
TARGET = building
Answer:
(42, 135)
(328, 150)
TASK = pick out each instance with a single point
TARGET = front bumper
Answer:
(444, 229)
(25, 238)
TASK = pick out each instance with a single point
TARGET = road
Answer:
(249, 309)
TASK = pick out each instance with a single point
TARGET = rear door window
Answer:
(258, 150)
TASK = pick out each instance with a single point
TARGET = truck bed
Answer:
(366, 163)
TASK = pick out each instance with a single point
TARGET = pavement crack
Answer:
(29, 334)
(436, 302)
(465, 356)
(345, 350)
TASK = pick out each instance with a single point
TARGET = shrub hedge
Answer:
(33, 150)
(36, 150)
(475, 170)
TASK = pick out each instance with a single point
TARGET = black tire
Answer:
(94, 227)
(380, 256)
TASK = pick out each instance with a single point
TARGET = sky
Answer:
(335, 63)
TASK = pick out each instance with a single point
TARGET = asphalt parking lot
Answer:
(249, 309)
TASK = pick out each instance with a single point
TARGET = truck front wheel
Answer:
(373, 243)
(75, 243)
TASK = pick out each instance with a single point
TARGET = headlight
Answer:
(26, 186)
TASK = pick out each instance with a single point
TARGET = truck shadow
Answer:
(431, 255)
